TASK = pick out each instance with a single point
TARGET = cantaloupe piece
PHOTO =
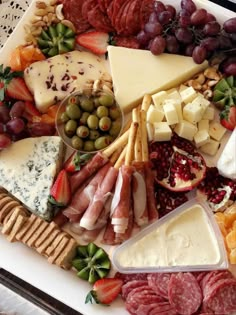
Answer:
(231, 239)
(232, 256)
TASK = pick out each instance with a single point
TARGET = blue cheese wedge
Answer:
(52, 79)
(27, 170)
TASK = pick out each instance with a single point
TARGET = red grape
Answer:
(184, 21)
(5, 141)
(230, 69)
(159, 7)
(4, 114)
(143, 38)
(172, 44)
(188, 5)
(210, 43)
(189, 49)
(210, 18)
(17, 109)
(158, 45)
(184, 35)
(153, 17)
(233, 37)
(184, 12)
(199, 54)
(164, 17)
(15, 125)
(152, 29)
(2, 128)
(41, 129)
(224, 42)
(172, 10)
(211, 28)
(230, 25)
(199, 17)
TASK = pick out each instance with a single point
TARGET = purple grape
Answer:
(211, 28)
(233, 37)
(210, 18)
(159, 7)
(230, 69)
(153, 18)
(2, 128)
(4, 114)
(164, 17)
(41, 129)
(172, 10)
(225, 42)
(184, 21)
(15, 125)
(230, 25)
(153, 29)
(17, 109)
(22, 135)
(199, 54)
(172, 44)
(143, 38)
(199, 17)
(184, 12)
(189, 49)
(184, 35)
(5, 141)
(188, 5)
(210, 43)
(158, 45)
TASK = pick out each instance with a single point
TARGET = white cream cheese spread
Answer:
(187, 239)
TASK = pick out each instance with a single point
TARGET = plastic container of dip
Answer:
(187, 239)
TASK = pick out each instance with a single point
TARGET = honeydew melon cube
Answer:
(201, 137)
(211, 147)
(186, 130)
(150, 131)
(155, 114)
(203, 125)
(188, 95)
(170, 113)
(216, 130)
(193, 112)
(162, 131)
(209, 113)
(159, 97)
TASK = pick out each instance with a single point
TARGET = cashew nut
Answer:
(59, 13)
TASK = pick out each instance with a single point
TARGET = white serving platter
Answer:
(30, 266)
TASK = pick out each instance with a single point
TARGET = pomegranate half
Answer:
(177, 164)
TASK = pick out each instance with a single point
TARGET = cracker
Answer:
(42, 248)
(10, 223)
(25, 227)
(50, 228)
(31, 241)
(57, 251)
(52, 247)
(17, 226)
(7, 208)
(66, 257)
(31, 230)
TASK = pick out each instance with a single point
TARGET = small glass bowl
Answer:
(98, 132)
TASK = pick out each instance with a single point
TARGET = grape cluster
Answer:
(15, 126)
(191, 31)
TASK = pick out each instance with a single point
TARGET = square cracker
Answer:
(31, 230)
(25, 227)
(20, 221)
(65, 259)
(42, 248)
(31, 241)
(7, 227)
(44, 236)
(49, 251)
(57, 251)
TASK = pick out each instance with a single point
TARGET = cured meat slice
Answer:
(87, 6)
(156, 308)
(119, 16)
(78, 178)
(102, 6)
(99, 20)
(184, 293)
(130, 285)
(72, 10)
(147, 8)
(126, 41)
(151, 200)
(216, 276)
(126, 277)
(133, 24)
(110, 6)
(159, 282)
(117, 5)
(121, 237)
(109, 234)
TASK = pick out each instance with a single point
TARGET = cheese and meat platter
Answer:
(118, 155)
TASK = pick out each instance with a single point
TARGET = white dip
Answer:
(186, 239)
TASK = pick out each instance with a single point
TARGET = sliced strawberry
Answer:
(95, 41)
(76, 161)
(30, 111)
(228, 117)
(104, 291)
(17, 89)
(60, 191)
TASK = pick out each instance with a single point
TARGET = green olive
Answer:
(77, 143)
(102, 142)
(64, 117)
(96, 102)
(87, 104)
(73, 111)
(92, 122)
(89, 146)
(102, 111)
(115, 128)
(84, 118)
(114, 112)
(106, 100)
(72, 100)
(94, 134)
(70, 127)
(105, 123)
(82, 132)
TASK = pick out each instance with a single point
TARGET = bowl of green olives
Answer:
(89, 121)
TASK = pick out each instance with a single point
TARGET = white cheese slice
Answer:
(136, 72)
(52, 79)
(28, 168)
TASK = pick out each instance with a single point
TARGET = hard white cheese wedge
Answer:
(52, 79)
(28, 168)
(136, 72)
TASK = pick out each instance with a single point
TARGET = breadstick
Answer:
(130, 147)
(121, 158)
(138, 142)
(145, 154)
(147, 99)
(120, 142)
(114, 157)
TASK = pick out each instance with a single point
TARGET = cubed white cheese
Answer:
(162, 131)
(170, 113)
(150, 131)
(182, 87)
(155, 114)
(188, 95)
(203, 125)
(174, 95)
(177, 104)
(211, 147)
(209, 113)
(193, 112)
(159, 97)
(216, 130)
(186, 130)
(201, 137)
(200, 100)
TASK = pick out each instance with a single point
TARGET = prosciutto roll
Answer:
(78, 178)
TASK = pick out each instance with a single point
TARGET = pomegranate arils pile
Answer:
(178, 166)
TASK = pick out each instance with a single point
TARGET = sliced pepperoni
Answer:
(133, 24)
(72, 10)
(184, 293)
(102, 7)
(129, 286)
(126, 277)
(99, 20)
(87, 6)
(147, 8)
(159, 282)
(127, 41)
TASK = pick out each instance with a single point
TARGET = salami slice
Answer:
(155, 307)
(147, 8)
(87, 6)
(184, 293)
(118, 4)
(133, 25)
(159, 282)
(129, 286)
(102, 7)
(126, 277)
(218, 275)
(110, 7)
(99, 20)
(119, 16)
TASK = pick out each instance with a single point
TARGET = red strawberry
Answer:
(30, 111)
(17, 89)
(95, 41)
(104, 291)
(60, 191)
(76, 161)
(228, 117)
